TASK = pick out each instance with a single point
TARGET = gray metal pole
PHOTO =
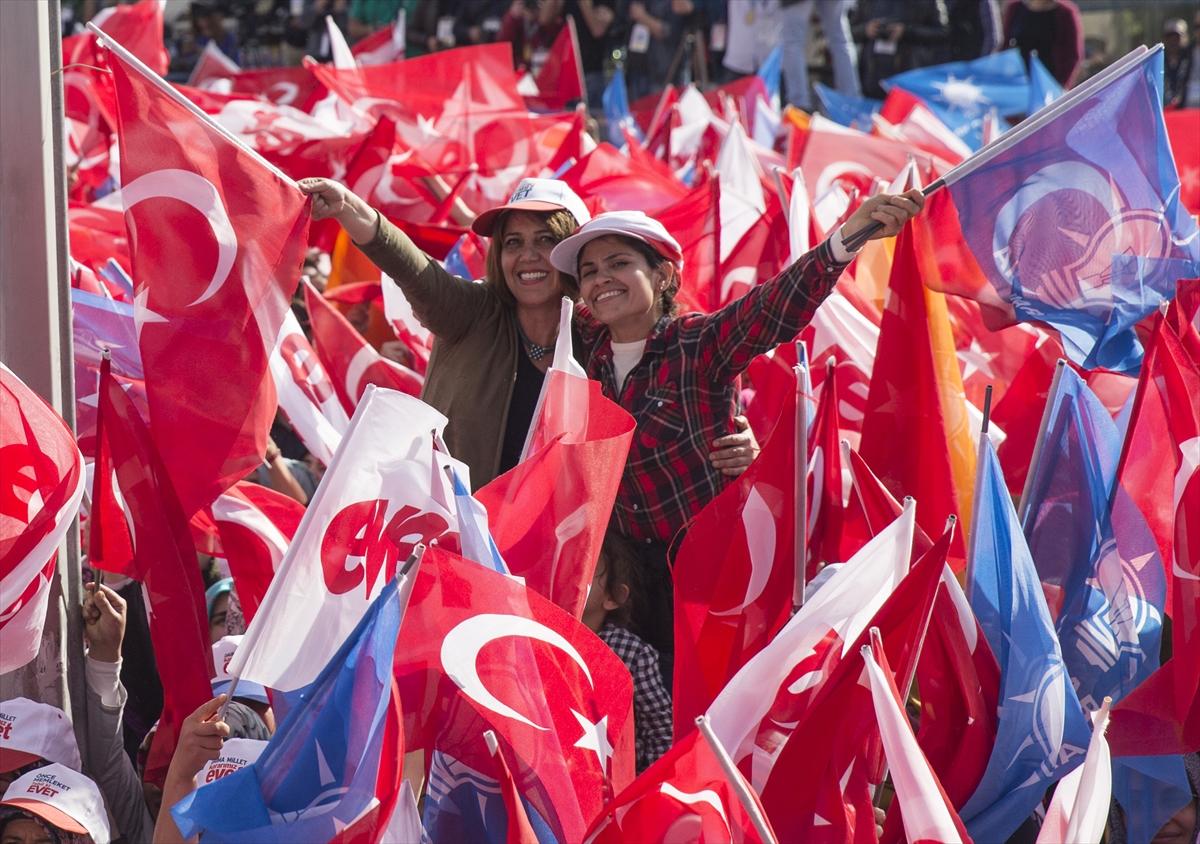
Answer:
(35, 305)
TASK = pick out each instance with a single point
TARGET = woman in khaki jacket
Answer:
(493, 341)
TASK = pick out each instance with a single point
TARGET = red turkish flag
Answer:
(218, 240)
(1164, 712)
(907, 430)
(828, 496)
(381, 47)
(625, 184)
(41, 485)
(110, 541)
(1018, 413)
(165, 560)
(520, 831)
(137, 27)
(684, 796)
(478, 650)
(834, 155)
(548, 515)
(692, 221)
(1185, 144)
(388, 174)
(878, 507)
(734, 574)
(256, 524)
(560, 79)
(291, 86)
(212, 65)
(349, 359)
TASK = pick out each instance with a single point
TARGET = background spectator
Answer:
(655, 37)
(898, 35)
(752, 31)
(974, 28)
(367, 16)
(1177, 61)
(478, 22)
(593, 26)
(797, 14)
(1053, 28)
(1191, 96)
(531, 27)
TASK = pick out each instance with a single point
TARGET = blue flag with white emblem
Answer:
(318, 773)
(848, 109)
(1041, 734)
(1101, 564)
(961, 94)
(1077, 222)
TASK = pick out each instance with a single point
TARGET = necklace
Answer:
(536, 352)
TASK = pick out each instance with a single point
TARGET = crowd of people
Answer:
(856, 43)
(676, 375)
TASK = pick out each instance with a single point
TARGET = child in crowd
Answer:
(608, 613)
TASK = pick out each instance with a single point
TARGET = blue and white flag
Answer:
(319, 772)
(462, 804)
(847, 109)
(1104, 568)
(1081, 226)
(1042, 733)
(473, 532)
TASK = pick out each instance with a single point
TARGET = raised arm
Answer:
(446, 305)
(776, 310)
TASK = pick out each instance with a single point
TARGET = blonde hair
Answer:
(562, 224)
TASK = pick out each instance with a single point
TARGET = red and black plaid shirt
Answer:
(683, 393)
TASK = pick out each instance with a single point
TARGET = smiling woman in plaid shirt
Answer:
(679, 375)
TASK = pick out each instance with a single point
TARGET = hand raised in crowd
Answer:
(103, 622)
(331, 199)
(893, 210)
(200, 740)
(734, 453)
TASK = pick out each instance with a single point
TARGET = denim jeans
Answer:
(795, 54)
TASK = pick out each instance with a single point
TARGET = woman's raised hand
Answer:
(332, 199)
(892, 210)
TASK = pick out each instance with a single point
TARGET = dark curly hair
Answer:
(562, 224)
(619, 562)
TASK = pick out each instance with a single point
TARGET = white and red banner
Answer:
(306, 393)
(41, 485)
(379, 499)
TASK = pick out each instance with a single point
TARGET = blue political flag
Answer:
(474, 534)
(1042, 733)
(616, 110)
(1043, 88)
(1095, 553)
(1081, 226)
(847, 109)
(318, 773)
(99, 323)
(114, 272)
(770, 72)
(454, 263)
(961, 94)
(463, 804)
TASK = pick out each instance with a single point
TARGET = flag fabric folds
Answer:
(1041, 734)
(332, 760)
(306, 393)
(1085, 230)
(217, 238)
(41, 484)
(378, 500)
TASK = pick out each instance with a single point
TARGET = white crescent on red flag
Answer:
(217, 238)
(41, 485)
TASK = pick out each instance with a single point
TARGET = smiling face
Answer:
(620, 287)
(525, 243)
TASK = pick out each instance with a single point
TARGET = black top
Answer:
(591, 50)
(520, 410)
(1034, 31)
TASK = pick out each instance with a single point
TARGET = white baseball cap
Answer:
(63, 798)
(222, 651)
(535, 195)
(628, 223)
(30, 731)
(236, 754)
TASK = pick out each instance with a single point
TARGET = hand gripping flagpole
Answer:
(1007, 141)
(800, 491)
(160, 83)
(980, 454)
(413, 558)
(737, 781)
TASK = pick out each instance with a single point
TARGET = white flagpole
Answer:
(736, 780)
(1023, 506)
(166, 88)
(800, 496)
